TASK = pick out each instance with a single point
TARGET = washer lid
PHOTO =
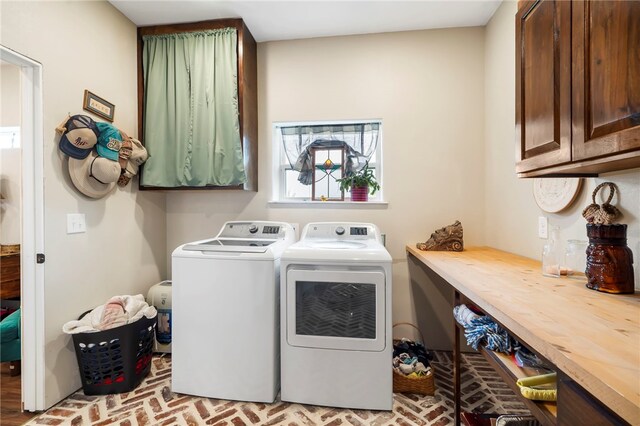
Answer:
(227, 245)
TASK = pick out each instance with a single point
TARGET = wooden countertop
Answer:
(592, 337)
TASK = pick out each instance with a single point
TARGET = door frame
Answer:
(32, 229)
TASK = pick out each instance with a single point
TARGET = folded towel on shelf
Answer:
(538, 388)
(119, 310)
(464, 315)
(543, 379)
(485, 330)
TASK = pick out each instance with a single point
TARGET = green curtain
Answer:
(191, 124)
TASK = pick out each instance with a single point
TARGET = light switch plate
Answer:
(76, 223)
(543, 227)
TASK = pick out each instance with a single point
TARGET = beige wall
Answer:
(85, 45)
(10, 158)
(511, 214)
(427, 87)
(10, 101)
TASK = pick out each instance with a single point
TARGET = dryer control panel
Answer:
(341, 231)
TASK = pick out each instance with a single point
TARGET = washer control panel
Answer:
(358, 230)
(270, 230)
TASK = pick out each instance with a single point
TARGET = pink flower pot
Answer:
(360, 193)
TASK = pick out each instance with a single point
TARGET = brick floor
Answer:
(153, 403)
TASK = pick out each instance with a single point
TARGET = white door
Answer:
(32, 238)
(336, 309)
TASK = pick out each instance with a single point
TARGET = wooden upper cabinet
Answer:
(577, 87)
(543, 84)
(606, 78)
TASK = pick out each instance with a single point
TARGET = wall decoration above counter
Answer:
(556, 194)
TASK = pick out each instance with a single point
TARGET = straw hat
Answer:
(132, 155)
(94, 176)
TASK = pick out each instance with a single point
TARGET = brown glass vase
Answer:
(609, 260)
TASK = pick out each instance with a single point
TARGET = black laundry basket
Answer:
(115, 360)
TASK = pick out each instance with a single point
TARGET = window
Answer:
(310, 157)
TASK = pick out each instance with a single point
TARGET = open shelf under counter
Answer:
(591, 339)
(545, 412)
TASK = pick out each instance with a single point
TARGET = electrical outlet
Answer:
(76, 223)
(543, 227)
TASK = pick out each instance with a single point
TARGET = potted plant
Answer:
(361, 183)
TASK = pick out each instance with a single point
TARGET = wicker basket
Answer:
(423, 385)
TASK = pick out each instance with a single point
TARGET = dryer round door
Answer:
(336, 309)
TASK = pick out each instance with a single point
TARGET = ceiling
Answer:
(286, 20)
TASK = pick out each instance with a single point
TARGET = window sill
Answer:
(331, 204)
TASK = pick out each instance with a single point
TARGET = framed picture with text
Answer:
(98, 106)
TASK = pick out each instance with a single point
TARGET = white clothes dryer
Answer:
(226, 331)
(336, 341)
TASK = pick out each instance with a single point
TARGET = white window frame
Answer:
(280, 164)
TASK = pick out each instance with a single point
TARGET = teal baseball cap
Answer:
(109, 141)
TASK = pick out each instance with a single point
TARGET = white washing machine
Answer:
(225, 336)
(336, 341)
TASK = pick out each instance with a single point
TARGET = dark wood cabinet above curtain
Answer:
(197, 105)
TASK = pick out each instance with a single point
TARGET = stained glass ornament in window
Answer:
(328, 167)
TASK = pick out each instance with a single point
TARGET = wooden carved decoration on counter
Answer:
(609, 259)
(448, 238)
